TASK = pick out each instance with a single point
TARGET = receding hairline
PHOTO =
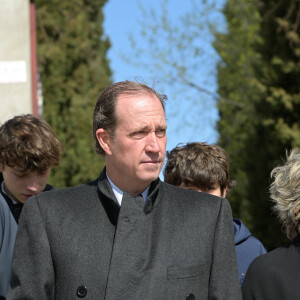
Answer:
(129, 93)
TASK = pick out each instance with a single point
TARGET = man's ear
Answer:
(104, 140)
(224, 194)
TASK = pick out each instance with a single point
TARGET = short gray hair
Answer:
(285, 193)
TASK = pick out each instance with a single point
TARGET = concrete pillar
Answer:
(15, 59)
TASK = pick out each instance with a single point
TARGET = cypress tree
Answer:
(259, 70)
(74, 69)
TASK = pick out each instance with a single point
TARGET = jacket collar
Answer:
(111, 205)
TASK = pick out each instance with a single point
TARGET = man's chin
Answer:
(21, 200)
(150, 177)
(149, 172)
(152, 167)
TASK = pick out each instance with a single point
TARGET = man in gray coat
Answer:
(126, 235)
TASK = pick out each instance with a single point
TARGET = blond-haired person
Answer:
(275, 275)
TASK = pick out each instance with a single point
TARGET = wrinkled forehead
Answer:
(139, 105)
(140, 93)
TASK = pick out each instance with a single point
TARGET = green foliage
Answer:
(260, 71)
(235, 124)
(74, 70)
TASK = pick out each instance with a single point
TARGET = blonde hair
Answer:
(285, 193)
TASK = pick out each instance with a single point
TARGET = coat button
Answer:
(190, 297)
(81, 291)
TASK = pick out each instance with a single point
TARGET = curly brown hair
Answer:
(200, 165)
(28, 142)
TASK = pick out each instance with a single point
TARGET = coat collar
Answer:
(111, 205)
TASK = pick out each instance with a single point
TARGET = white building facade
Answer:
(18, 60)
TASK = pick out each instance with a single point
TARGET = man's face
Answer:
(216, 191)
(20, 186)
(136, 153)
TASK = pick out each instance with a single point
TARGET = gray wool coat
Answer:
(79, 243)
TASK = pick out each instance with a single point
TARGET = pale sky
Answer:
(188, 119)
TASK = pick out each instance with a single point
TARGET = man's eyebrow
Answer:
(148, 128)
(18, 170)
(142, 128)
(21, 172)
(161, 126)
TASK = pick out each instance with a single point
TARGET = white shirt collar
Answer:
(119, 193)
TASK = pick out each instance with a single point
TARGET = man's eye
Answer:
(20, 175)
(160, 132)
(42, 173)
(139, 134)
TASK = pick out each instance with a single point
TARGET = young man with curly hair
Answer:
(28, 150)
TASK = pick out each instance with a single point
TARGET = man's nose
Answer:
(153, 144)
(33, 185)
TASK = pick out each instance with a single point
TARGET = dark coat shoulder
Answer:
(274, 275)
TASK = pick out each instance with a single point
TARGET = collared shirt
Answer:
(119, 193)
(4, 192)
(14, 206)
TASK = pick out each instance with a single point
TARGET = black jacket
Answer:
(275, 275)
